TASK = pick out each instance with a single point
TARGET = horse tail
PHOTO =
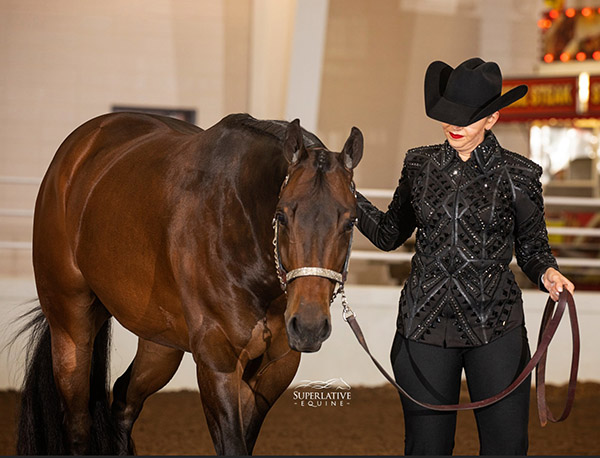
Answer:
(40, 428)
(39, 431)
(104, 431)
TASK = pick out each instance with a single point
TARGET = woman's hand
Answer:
(554, 282)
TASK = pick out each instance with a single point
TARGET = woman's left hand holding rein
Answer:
(554, 282)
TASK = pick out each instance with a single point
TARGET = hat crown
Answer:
(474, 83)
(467, 93)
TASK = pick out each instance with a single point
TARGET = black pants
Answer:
(433, 374)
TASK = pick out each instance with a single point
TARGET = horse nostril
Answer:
(294, 325)
(325, 329)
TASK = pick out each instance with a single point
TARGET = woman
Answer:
(472, 202)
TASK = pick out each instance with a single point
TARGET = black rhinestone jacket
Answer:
(469, 216)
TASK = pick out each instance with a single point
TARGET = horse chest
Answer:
(258, 342)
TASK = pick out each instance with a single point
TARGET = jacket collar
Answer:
(484, 155)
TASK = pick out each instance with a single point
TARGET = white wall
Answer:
(65, 61)
(341, 356)
(306, 66)
(271, 42)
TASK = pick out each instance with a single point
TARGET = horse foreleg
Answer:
(221, 388)
(221, 401)
(152, 368)
(238, 393)
(267, 384)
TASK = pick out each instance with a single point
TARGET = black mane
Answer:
(275, 129)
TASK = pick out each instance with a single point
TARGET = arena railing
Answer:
(587, 203)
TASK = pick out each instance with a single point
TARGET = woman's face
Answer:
(466, 138)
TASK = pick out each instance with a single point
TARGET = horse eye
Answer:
(281, 218)
(348, 225)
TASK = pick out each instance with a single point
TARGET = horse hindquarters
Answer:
(41, 429)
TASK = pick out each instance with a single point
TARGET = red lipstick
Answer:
(455, 136)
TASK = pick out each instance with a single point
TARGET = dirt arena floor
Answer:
(172, 423)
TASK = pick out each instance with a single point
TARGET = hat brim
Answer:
(441, 109)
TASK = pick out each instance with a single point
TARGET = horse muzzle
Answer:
(308, 328)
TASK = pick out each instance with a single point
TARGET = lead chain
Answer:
(276, 257)
(347, 312)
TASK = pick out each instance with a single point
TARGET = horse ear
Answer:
(353, 149)
(293, 145)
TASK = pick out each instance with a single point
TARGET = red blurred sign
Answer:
(546, 98)
(594, 102)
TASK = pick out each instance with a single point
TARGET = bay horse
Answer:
(168, 228)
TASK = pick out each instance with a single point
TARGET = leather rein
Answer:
(550, 321)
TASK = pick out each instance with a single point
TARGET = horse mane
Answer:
(274, 128)
(277, 129)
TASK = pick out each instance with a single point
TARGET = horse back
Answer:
(156, 213)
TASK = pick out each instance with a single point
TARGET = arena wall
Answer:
(341, 356)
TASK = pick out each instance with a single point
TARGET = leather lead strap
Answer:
(544, 412)
(548, 328)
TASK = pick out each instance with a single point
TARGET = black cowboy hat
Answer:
(465, 94)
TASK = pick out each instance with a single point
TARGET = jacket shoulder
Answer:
(425, 151)
(524, 174)
(417, 157)
(518, 164)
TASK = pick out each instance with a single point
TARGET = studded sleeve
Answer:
(388, 230)
(532, 249)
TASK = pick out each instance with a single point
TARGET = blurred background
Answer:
(334, 64)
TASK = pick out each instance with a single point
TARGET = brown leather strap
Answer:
(544, 412)
(549, 325)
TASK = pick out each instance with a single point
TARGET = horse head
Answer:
(313, 223)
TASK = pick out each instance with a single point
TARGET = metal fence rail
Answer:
(369, 255)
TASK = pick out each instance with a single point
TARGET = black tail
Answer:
(40, 430)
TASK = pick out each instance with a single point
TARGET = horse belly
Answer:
(132, 286)
(121, 252)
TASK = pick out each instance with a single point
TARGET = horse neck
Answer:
(262, 172)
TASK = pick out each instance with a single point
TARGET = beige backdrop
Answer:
(65, 61)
